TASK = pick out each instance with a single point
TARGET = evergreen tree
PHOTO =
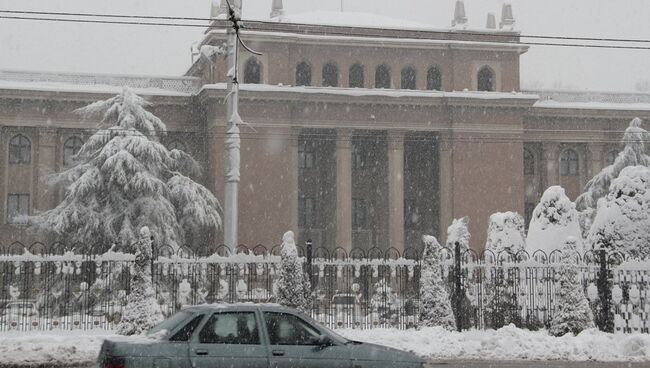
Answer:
(126, 179)
(634, 153)
(436, 306)
(506, 233)
(573, 313)
(458, 231)
(383, 303)
(292, 281)
(142, 311)
(623, 217)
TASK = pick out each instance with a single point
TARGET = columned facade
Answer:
(396, 190)
(344, 189)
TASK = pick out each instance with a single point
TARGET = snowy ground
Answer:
(69, 348)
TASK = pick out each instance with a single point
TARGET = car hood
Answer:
(367, 351)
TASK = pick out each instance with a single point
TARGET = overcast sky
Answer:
(119, 49)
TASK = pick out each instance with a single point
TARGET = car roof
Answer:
(265, 307)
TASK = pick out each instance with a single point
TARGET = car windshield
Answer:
(170, 323)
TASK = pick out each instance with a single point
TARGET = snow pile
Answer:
(554, 220)
(506, 233)
(509, 343)
(436, 306)
(623, 216)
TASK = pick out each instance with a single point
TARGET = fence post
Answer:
(310, 264)
(604, 294)
(458, 286)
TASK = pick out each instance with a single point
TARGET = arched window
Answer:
(486, 79)
(529, 162)
(330, 75)
(382, 76)
(20, 150)
(303, 74)
(71, 147)
(253, 71)
(434, 79)
(176, 145)
(569, 163)
(408, 78)
(610, 157)
(356, 76)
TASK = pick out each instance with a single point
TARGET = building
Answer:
(359, 137)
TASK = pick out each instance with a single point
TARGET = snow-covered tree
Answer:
(572, 312)
(384, 304)
(435, 302)
(506, 233)
(634, 153)
(554, 219)
(292, 285)
(142, 310)
(622, 221)
(458, 231)
(126, 179)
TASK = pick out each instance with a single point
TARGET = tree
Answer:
(458, 231)
(384, 303)
(506, 233)
(292, 285)
(436, 307)
(127, 179)
(635, 140)
(142, 311)
(573, 313)
(623, 216)
(554, 219)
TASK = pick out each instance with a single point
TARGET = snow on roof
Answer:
(64, 87)
(550, 104)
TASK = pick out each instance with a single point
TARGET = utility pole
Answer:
(233, 140)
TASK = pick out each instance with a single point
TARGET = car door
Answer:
(229, 339)
(292, 344)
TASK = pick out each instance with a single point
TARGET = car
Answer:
(20, 309)
(247, 335)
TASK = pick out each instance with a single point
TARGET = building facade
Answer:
(358, 137)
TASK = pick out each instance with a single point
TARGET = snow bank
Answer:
(509, 343)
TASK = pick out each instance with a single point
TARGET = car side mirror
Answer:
(323, 341)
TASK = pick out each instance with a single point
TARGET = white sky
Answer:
(119, 49)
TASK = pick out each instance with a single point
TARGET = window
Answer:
(287, 329)
(569, 163)
(20, 150)
(17, 207)
(486, 79)
(408, 78)
(306, 212)
(610, 157)
(303, 74)
(382, 77)
(528, 213)
(306, 156)
(359, 214)
(176, 145)
(330, 75)
(70, 148)
(253, 71)
(359, 156)
(356, 76)
(529, 162)
(434, 79)
(231, 328)
(186, 332)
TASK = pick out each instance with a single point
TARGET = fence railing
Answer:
(55, 287)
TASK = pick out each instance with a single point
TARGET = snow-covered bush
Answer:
(554, 219)
(126, 179)
(458, 231)
(506, 233)
(435, 302)
(142, 310)
(622, 221)
(572, 311)
(384, 304)
(634, 153)
(293, 285)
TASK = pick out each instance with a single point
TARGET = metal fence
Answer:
(43, 288)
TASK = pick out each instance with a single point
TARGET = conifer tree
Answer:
(436, 306)
(292, 282)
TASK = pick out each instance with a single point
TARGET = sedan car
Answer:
(247, 335)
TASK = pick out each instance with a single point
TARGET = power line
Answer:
(514, 42)
(198, 19)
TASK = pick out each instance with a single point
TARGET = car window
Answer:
(287, 329)
(170, 323)
(186, 332)
(231, 328)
